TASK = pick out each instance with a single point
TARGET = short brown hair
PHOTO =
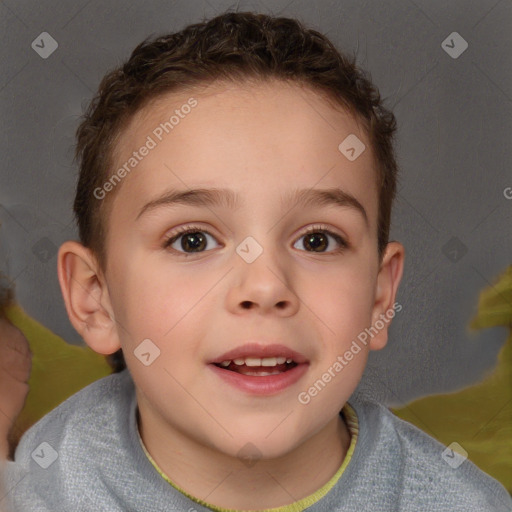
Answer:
(234, 46)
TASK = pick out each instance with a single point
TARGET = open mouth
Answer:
(260, 371)
(258, 367)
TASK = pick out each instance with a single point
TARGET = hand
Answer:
(15, 365)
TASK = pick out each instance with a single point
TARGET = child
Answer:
(234, 200)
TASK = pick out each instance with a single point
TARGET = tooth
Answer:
(257, 361)
(253, 361)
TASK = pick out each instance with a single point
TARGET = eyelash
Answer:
(313, 229)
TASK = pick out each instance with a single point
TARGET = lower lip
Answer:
(266, 385)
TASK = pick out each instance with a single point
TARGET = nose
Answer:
(265, 286)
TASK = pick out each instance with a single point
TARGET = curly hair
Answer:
(236, 47)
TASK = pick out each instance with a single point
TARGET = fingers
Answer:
(15, 355)
(11, 337)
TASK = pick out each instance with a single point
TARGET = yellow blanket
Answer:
(479, 417)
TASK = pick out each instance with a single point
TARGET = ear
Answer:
(388, 279)
(86, 297)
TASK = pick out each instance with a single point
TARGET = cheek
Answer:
(159, 302)
(344, 299)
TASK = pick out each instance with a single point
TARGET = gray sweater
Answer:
(86, 456)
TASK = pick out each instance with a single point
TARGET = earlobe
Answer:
(388, 280)
(86, 297)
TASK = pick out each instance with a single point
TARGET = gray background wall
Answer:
(454, 148)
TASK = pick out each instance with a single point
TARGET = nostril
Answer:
(247, 304)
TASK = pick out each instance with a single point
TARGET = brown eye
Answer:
(318, 240)
(189, 241)
(193, 241)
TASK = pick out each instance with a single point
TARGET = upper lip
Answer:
(259, 350)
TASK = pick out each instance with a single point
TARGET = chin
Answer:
(259, 447)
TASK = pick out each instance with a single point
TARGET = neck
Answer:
(227, 482)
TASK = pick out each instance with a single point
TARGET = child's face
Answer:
(307, 293)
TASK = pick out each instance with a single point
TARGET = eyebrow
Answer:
(228, 198)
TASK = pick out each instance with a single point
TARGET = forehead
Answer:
(260, 140)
